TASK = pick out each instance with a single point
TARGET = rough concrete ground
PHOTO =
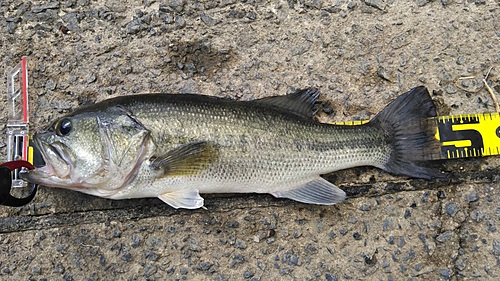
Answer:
(360, 54)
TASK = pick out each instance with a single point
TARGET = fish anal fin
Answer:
(317, 191)
(188, 159)
(188, 198)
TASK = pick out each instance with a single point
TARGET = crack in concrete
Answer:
(224, 203)
(48, 221)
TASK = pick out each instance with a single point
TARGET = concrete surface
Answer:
(360, 54)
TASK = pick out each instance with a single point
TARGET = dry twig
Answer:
(485, 82)
(492, 94)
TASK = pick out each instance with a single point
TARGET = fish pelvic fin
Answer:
(188, 198)
(317, 191)
(411, 138)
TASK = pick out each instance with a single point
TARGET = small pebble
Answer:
(385, 262)
(496, 247)
(407, 214)
(205, 266)
(150, 270)
(251, 16)
(401, 242)
(444, 237)
(233, 224)
(67, 277)
(207, 20)
(136, 241)
(352, 219)
(152, 256)
(425, 197)
(241, 245)
(449, 89)
(460, 263)
(452, 209)
(37, 270)
(388, 224)
(247, 274)
(356, 236)
(261, 265)
(477, 216)
(472, 196)
(441, 194)
(310, 249)
(364, 207)
(285, 271)
(91, 79)
(402, 268)
(391, 240)
(375, 4)
(180, 22)
(330, 277)
(126, 257)
(135, 26)
(50, 85)
(445, 273)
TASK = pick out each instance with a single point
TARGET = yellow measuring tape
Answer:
(462, 136)
(469, 135)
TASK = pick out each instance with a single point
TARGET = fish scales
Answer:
(175, 147)
(260, 147)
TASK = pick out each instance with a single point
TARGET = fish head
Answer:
(95, 152)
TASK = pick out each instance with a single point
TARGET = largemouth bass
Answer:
(175, 147)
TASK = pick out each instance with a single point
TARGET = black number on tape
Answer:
(446, 134)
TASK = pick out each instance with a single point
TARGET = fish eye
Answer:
(63, 127)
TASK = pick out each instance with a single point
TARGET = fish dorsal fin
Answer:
(300, 103)
(317, 191)
(187, 159)
(187, 198)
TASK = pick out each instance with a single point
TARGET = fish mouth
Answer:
(59, 164)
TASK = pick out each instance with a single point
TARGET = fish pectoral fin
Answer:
(188, 198)
(318, 191)
(188, 159)
(300, 103)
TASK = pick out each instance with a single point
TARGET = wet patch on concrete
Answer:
(197, 58)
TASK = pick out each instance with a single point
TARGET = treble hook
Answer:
(6, 184)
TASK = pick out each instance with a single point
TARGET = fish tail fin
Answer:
(410, 137)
